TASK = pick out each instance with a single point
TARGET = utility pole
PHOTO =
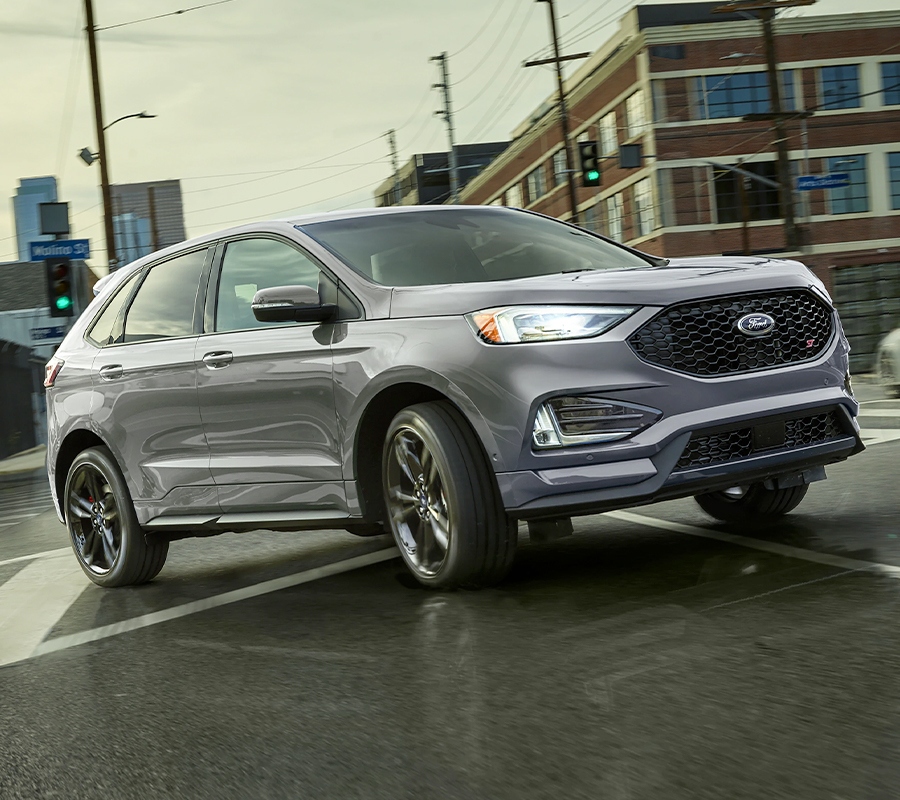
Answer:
(101, 138)
(563, 113)
(392, 144)
(778, 117)
(447, 114)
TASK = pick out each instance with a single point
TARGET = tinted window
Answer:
(102, 328)
(890, 82)
(422, 248)
(253, 264)
(840, 87)
(164, 304)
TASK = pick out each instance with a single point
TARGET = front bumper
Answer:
(665, 475)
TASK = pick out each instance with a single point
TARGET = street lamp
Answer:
(89, 158)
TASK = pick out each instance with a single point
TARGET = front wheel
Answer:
(442, 502)
(751, 503)
(106, 536)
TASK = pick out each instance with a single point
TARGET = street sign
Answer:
(70, 248)
(806, 183)
(49, 332)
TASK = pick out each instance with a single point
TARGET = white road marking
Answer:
(32, 556)
(186, 609)
(786, 550)
(34, 600)
(872, 436)
(879, 412)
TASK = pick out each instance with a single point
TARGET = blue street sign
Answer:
(70, 248)
(806, 183)
(50, 332)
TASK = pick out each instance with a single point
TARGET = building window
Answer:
(840, 86)
(591, 218)
(608, 139)
(894, 178)
(855, 197)
(514, 196)
(890, 83)
(643, 206)
(614, 214)
(559, 167)
(534, 183)
(635, 114)
(763, 201)
(720, 96)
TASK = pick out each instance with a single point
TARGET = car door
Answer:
(265, 391)
(145, 386)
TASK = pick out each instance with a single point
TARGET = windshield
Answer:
(465, 245)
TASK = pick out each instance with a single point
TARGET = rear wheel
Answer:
(751, 503)
(443, 506)
(106, 536)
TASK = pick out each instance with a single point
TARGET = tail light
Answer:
(51, 370)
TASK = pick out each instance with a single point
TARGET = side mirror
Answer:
(290, 304)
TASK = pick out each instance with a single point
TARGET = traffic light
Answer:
(59, 287)
(590, 163)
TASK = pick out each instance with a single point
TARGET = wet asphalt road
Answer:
(638, 658)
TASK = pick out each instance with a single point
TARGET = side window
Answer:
(102, 329)
(164, 304)
(253, 264)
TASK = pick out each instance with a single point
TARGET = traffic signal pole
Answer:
(101, 138)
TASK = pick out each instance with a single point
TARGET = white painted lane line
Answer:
(34, 600)
(872, 436)
(33, 556)
(156, 617)
(786, 550)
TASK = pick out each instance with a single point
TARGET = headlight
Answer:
(516, 324)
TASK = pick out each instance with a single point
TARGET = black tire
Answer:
(755, 504)
(438, 485)
(107, 539)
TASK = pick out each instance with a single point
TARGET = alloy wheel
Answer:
(94, 520)
(417, 502)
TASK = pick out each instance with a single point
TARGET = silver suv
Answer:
(441, 373)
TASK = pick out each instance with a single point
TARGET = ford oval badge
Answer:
(756, 324)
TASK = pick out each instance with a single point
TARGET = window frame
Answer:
(118, 330)
(893, 193)
(885, 91)
(856, 96)
(832, 165)
(349, 308)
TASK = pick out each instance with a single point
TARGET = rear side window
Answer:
(164, 304)
(253, 264)
(102, 329)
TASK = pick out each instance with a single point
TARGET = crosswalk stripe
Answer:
(34, 600)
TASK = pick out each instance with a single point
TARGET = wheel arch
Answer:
(372, 429)
(76, 441)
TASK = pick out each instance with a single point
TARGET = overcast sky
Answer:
(250, 94)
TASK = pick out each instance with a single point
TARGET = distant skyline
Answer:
(268, 108)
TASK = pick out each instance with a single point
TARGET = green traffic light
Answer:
(592, 175)
(62, 303)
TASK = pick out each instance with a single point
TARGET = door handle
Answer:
(111, 371)
(218, 360)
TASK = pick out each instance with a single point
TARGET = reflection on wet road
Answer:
(653, 654)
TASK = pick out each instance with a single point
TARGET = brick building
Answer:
(678, 80)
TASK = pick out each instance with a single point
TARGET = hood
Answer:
(681, 279)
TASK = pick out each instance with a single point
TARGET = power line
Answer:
(481, 30)
(503, 63)
(160, 16)
(493, 47)
(284, 191)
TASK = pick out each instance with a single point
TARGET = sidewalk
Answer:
(27, 465)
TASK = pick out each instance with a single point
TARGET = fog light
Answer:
(584, 419)
(545, 434)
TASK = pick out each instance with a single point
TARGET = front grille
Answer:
(707, 449)
(701, 338)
